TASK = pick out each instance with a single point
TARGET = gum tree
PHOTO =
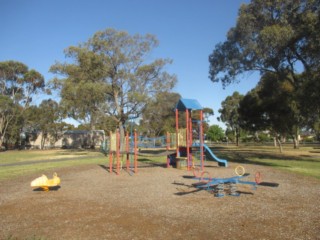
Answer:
(111, 74)
(274, 37)
(158, 117)
(18, 85)
(229, 114)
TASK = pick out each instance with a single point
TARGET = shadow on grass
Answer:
(147, 163)
(104, 167)
(247, 156)
(154, 152)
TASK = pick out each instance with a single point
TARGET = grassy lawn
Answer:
(40, 155)
(305, 160)
(65, 158)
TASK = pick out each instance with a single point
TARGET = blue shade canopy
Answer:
(190, 104)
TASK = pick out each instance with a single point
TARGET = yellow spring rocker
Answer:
(45, 183)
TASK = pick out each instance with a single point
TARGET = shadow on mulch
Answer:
(40, 189)
(142, 163)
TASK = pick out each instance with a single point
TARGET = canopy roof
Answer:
(190, 104)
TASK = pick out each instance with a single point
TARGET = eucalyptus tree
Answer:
(207, 112)
(280, 102)
(158, 116)
(252, 114)
(9, 113)
(310, 103)
(111, 74)
(270, 36)
(277, 37)
(229, 114)
(47, 120)
(18, 85)
(271, 106)
(275, 105)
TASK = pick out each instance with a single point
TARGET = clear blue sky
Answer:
(36, 32)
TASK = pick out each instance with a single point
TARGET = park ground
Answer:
(159, 203)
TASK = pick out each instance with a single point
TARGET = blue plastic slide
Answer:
(221, 162)
(208, 152)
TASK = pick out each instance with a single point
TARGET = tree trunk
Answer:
(4, 123)
(1, 140)
(277, 141)
(122, 137)
(43, 140)
(296, 139)
(237, 137)
(280, 144)
(295, 143)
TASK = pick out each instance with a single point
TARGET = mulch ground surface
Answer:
(159, 203)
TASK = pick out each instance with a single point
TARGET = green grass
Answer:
(39, 155)
(304, 161)
(302, 166)
(71, 157)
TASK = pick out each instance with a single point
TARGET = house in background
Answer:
(68, 139)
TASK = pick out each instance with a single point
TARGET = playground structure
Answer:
(188, 144)
(120, 149)
(126, 151)
(190, 140)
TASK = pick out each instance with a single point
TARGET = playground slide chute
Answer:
(221, 162)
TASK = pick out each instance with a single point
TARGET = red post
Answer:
(201, 141)
(190, 139)
(128, 151)
(177, 132)
(190, 131)
(110, 154)
(167, 148)
(118, 151)
(135, 152)
(187, 139)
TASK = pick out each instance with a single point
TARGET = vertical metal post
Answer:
(190, 141)
(167, 148)
(187, 139)
(128, 151)
(177, 133)
(201, 140)
(135, 152)
(118, 151)
(110, 153)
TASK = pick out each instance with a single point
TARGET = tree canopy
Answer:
(111, 75)
(272, 105)
(215, 133)
(270, 36)
(158, 116)
(229, 113)
(18, 85)
(280, 40)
